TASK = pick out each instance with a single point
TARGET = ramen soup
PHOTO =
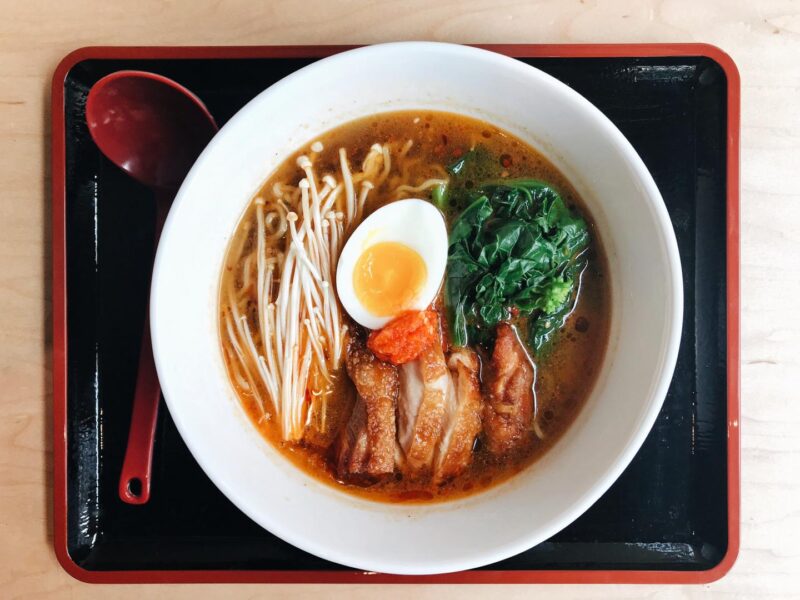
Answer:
(414, 306)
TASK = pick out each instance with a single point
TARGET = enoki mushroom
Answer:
(288, 344)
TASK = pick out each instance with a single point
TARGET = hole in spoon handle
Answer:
(134, 485)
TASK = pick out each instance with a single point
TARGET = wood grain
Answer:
(763, 36)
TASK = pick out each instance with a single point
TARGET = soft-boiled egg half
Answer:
(393, 262)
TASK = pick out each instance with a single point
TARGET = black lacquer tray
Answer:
(671, 517)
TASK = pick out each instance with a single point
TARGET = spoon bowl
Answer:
(149, 126)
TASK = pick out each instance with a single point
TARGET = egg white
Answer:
(412, 222)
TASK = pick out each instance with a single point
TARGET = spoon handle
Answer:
(137, 467)
(134, 483)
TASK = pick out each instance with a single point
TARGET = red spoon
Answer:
(153, 129)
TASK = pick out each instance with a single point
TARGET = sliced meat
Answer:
(352, 451)
(329, 415)
(367, 444)
(422, 410)
(508, 386)
(464, 415)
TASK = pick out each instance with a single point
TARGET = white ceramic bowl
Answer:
(647, 298)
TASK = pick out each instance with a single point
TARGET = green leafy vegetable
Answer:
(439, 196)
(514, 251)
(542, 329)
(458, 166)
(475, 165)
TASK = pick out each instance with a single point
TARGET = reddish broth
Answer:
(565, 375)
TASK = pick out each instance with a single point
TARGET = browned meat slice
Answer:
(352, 452)
(509, 392)
(464, 415)
(367, 444)
(422, 409)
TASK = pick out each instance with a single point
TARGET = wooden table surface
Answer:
(762, 36)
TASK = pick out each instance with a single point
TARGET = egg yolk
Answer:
(388, 277)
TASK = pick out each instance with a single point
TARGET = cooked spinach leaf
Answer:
(475, 165)
(439, 196)
(471, 164)
(514, 251)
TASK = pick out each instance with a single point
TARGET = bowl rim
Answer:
(668, 354)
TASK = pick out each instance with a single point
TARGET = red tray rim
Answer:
(58, 149)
